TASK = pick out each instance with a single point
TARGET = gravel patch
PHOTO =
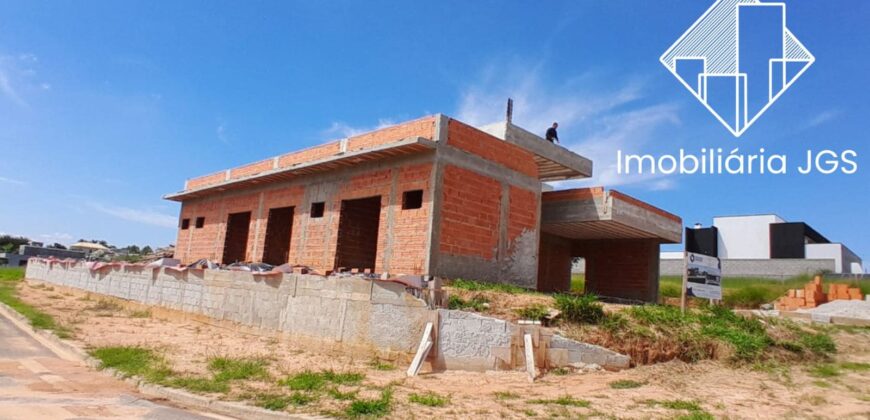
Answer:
(845, 308)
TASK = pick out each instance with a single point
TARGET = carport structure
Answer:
(617, 235)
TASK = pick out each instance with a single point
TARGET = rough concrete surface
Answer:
(340, 313)
(37, 384)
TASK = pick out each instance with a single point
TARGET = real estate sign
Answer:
(703, 276)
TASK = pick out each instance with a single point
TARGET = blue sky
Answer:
(106, 106)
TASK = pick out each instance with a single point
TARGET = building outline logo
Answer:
(714, 43)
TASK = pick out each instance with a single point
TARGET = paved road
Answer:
(36, 384)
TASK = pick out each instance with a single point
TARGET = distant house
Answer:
(766, 245)
(88, 247)
(27, 251)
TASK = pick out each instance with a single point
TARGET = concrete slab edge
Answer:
(71, 352)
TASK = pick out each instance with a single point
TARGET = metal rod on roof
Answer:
(509, 115)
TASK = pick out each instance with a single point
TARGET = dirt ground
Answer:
(721, 390)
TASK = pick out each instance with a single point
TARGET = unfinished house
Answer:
(433, 196)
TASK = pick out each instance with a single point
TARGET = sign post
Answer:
(702, 277)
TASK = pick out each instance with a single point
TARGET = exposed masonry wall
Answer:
(344, 314)
(487, 222)
(423, 127)
(402, 237)
(773, 268)
(624, 268)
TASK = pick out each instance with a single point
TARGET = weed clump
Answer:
(536, 312)
(372, 407)
(583, 309)
(430, 399)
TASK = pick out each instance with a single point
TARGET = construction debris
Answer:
(812, 295)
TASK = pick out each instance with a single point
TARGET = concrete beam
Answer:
(555, 162)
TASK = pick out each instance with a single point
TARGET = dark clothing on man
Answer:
(552, 135)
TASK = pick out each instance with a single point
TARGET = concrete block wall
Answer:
(772, 268)
(336, 313)
(343, 313)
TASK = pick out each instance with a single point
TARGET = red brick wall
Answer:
(554, 264)
(472, 140)
(411, 227)
(470, 213)
(203, 240)
(206, 180)
(423, 127)
(625, 268)
(310, 154)
(251, 169)
(523, 213)
(239, 204)
(272, 199)
(364, 185)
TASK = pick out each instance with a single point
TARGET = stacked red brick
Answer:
(812, 295)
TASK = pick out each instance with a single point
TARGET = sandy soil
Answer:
(721, 390)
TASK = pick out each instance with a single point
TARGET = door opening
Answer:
(236, 242)
(279, 230)
(358, 226)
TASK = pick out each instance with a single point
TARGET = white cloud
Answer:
(58, 237)
(823, 117)
(343, 130)
(8, 90)
(221, 132)
(16, 75)
(4, 180)
(148, 217)
(593, 123)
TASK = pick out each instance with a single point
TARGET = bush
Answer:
(583, 309)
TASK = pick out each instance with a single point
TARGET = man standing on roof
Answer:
(552, 135)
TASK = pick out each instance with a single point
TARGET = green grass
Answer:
(106, 305)
(335, 393)
(278, 402)
(227, 369)
(479, 286)
(583, 309)
(377, 364)
(701, 334)
(429, 399)
(476, 303)
(371, 407)
(10, 278)
(536, 312)
(314, 381)
(565, 400)
(141, 314)
(152, 367)
(505, 395)
(625, 384)
(695, 412)
(750, 292)
(197, 384)
(855, 366)
(129, 360)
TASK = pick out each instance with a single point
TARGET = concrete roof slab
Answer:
(554, 162)
(592, 213)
